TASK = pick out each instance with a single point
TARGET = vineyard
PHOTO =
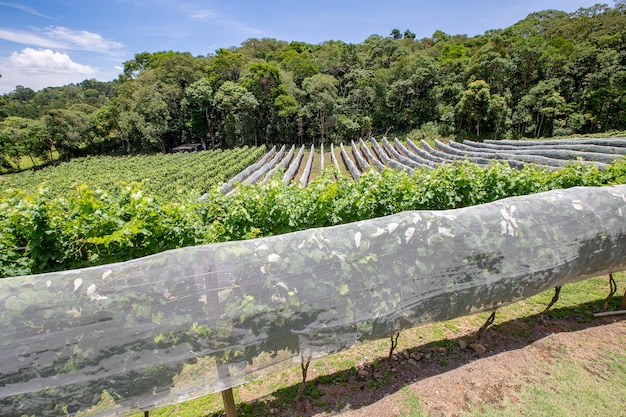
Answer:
(179, 176)
(170, 176)
(361, 157)
(230, 312)
(80, 214)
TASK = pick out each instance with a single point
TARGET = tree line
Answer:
(552, 73)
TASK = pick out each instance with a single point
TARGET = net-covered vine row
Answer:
(184, 323)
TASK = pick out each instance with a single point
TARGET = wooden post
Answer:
(229, 403)
(305, 368)
(227, 395)
(210, 281)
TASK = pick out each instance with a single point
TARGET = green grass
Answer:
(568, 387)
(568, 390)
(26, 163)
(203, 406)
(411, 404)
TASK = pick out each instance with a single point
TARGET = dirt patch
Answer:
(302, 166)
(499, 374)
(452, 374)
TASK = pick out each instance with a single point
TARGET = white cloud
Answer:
(28, 38)
(81, 39)
(59, 37)
(46, 61)
(33, 76)
(243, 27)
(23, 8)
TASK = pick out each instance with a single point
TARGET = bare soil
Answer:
(452, 375)
(498, 374)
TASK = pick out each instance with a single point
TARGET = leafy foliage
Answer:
(550, 74)
(171, 176)
(182, 323)
(58, 229)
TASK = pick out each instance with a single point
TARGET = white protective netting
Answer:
(187, 322)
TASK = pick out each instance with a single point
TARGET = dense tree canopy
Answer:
(552, 73)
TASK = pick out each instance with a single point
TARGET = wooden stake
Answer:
(214, 307)
(229, 403)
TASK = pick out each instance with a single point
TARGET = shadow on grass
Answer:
(383, 376)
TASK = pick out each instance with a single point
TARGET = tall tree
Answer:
(65, 131)
(409, 35)
(411, 100)
(321, 90)
(145, 115)
(299, 64)
(481, 110)
(237, 106)
(263, 81)
(226, 65)
(286, 107)
(382, 52)
(538, 111)
(492, 64)
(200, 103)
(170, 73)
(21, 137)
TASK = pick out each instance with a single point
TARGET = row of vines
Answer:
(45, 230)
(361, 156)
(170, 176)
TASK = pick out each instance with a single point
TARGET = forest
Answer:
(550, 74)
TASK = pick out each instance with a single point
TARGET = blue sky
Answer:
(56, 42)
